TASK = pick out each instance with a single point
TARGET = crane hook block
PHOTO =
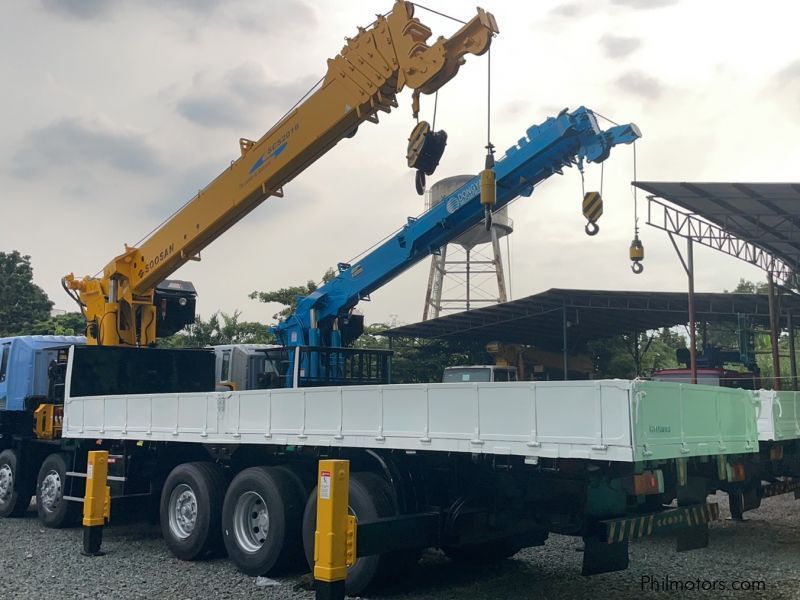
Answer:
(488, 192)
(592, 210)
(488, 188)
(636, 253)
(425, 149)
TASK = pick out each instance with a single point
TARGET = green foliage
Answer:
(749, 287)
(615, 357)
(220, 328)
(22, 302)
(288, 296)
(421, 361)
(66, 324)
(371, 338)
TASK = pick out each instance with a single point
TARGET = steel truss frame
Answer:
(688, 225)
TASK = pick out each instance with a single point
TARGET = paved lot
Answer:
(44, 564)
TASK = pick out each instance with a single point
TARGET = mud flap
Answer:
(740, 501)
(602, 557)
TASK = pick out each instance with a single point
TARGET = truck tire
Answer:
(261, 520)
(54, 511)
(16, 487)
(296, 557)
(370, 499)
(191, 508)
(483, 553)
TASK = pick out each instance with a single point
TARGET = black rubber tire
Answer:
(296, 557)
(21, 486)
(483, 553)
(370, 499)
(207, 482)
(284, 504)
(62, 513)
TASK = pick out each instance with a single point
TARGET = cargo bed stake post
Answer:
(681, 465)
(722, 467)
(335, 536)
(96, 502)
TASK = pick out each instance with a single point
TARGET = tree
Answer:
(221, 328)
(421, 360)
(288, 296)
(67, 324)
(749, 287)
(22, 302)
(614, 357)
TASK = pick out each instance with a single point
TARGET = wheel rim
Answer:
(182, 511)
(50, 492)
(6, 483)
(250, 522)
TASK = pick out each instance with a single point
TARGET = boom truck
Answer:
(477, 469)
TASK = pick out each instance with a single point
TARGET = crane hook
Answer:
(592, 210)
(636, 253)
(419, 182)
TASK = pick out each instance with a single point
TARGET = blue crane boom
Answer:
(571, 138)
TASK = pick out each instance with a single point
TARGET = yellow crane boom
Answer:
(362, 80)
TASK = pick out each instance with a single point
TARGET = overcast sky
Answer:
(115, 112)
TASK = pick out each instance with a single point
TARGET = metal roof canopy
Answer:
(756, 222)
(590, 315)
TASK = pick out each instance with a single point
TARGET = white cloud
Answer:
(645, 4)
(75, 142)
(640, 84)
(80, 9)
(616, 46)
(232, 99)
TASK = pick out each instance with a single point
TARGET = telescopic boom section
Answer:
(322, 317)
(362, 80)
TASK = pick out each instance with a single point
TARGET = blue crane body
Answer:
(571, 138)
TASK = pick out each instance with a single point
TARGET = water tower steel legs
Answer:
(433, 296)
(502, 296)
(467, 250)
(441, 267)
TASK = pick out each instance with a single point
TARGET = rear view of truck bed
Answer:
(779, 415)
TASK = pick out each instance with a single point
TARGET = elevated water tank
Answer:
(478, 234)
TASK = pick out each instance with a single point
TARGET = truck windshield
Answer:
(456, 375)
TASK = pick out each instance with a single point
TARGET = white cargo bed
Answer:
(617, 420)
(779, 416)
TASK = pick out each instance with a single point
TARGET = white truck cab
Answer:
(479, 373)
